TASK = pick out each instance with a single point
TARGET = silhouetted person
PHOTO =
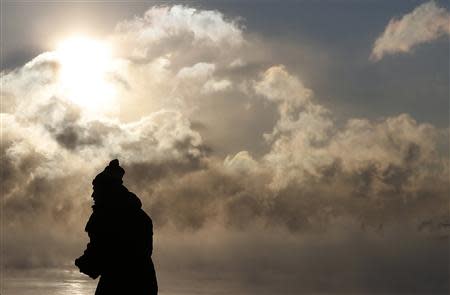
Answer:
(121, 239)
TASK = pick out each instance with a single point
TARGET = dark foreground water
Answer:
(46, 282)
(71, 282)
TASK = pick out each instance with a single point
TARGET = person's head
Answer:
(108, 179)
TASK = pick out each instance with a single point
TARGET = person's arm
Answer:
(90, 262)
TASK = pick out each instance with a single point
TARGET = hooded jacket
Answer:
(120, 240)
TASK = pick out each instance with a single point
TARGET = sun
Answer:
(85, 70)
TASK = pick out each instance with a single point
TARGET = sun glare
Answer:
(83, 78)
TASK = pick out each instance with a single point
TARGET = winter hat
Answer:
(112, 174)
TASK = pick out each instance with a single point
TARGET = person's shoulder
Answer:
(134, 200)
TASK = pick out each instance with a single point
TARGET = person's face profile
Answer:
(97, 192)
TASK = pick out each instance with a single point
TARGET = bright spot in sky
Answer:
(83, 77)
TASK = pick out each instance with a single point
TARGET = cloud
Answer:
(424, 24)
(393, 160)
(317, 187)
(178, 24)
(277, 85)
(216, 86)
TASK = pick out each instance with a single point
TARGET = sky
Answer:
(280, 147)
